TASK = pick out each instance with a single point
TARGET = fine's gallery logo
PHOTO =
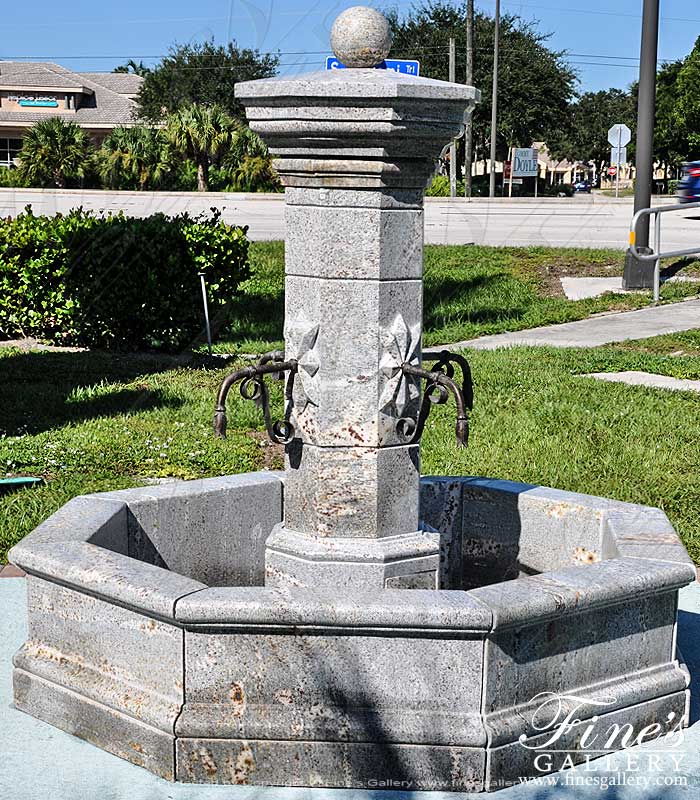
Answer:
(568, 725)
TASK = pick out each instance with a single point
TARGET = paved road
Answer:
(577, 222)
(594, 221)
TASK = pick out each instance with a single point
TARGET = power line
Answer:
(407, 48)
(566, 10)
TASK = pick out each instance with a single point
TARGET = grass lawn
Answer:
(470, 291)
(88, 422)
(624, 192)
(686, 343)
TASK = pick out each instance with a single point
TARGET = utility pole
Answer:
(638, 275)
(468, 132)
(453, 145)
(494, 100)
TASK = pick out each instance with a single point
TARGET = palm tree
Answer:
(202, 133)
(139, 156)
(245, 142)
(54, 152)
(249, 164)
(255, 174)
(132, 68)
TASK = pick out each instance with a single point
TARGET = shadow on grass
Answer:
(673, 269)
(480, 300)
(255, 317)
(44, 390)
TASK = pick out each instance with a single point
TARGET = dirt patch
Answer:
(547, 269)
(29, 344)
(272, 454)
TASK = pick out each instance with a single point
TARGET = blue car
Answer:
(689, 187)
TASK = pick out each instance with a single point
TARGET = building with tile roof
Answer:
(32, 90)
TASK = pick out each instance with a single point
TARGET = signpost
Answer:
(524, 164)
(619, 136)
(618, 156)
(403, 65)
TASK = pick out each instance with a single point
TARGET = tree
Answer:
(133, 68)
(245, 143)
(134, 158)
(255, 174)
(55, 152)
(203, 74)
(687, 105)
(535, 83)
(248, 165)
(583, 135)
(202, 134)
(670, 135)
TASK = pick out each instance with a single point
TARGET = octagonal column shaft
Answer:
(354, 152)
(354, 262)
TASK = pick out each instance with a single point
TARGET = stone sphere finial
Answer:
(361, 37)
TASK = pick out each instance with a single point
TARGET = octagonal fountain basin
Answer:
(152, 635)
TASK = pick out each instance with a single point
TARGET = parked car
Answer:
(688, 190)
(583, 186)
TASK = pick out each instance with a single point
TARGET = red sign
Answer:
(506, 170)
(612, 170)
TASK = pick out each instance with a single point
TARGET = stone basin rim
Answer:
(644, 556)
(228, 607)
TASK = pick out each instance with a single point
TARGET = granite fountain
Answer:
(349, 623)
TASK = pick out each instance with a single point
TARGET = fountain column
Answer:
(354, 148)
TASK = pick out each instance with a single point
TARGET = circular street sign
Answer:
(612, 170)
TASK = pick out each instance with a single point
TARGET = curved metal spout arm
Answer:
(439, 384)
(253, 388)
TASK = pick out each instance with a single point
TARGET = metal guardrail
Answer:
(656, 255)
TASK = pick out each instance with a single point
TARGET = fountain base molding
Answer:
(152, 635)
(405, 561)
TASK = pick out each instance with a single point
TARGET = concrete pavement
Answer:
(583, 288)
(581, 221)
(595, 331)
(650, 380)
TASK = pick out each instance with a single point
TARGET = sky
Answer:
(601, 36)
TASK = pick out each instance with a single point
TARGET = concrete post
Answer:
(355, 149)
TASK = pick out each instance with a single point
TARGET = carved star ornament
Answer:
(301, 338)
(401, 344)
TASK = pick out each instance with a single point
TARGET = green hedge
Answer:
(440, 187)
(11, 179)
(115, 282)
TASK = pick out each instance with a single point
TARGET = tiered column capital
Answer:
(359, 128)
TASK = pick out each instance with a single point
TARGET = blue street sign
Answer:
(403, 65)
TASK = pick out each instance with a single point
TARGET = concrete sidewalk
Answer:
(38, 762)
(595, 331)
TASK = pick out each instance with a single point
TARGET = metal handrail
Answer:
(657, 255)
